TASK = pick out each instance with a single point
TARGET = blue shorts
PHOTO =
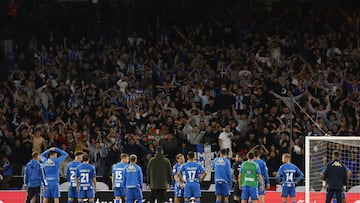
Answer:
(86, 194)
(249, 191)
(222, 189)
(119, 192)
(288, 191)
(192, 190)
(178, 191)
(52, 191)
(133, 194)
(72, 192)
(343, 195)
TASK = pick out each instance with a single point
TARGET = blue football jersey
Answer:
(176, 169)
(264, 170)
(288, 171)
(118, 173)
(85, 174)
(133, 176)
(52, 165)
(222, 168)
(71, 173)
(191, 171)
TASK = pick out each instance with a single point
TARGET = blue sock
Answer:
(69, 201)
(117, 201)
(197, 201)
(218, 201)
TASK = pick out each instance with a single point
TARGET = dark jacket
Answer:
(159, 172)
(335, 175)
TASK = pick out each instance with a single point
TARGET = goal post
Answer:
(318, 151)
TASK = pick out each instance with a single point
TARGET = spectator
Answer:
(225, 140)
(5, 172)
(39, 143)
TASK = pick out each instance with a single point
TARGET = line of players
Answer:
(250, 178)
(127, 179)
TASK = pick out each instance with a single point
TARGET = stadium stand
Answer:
(107, 82)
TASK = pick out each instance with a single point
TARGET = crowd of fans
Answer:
(181, 86)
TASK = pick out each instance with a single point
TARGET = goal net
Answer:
(318, 151)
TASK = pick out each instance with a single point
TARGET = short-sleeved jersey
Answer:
(71, 173)
(192, 171)
(118, 173)
(249, 171)
(85, 174)
(264, 170)
(288, 171)
(222, 168)
(176, 170)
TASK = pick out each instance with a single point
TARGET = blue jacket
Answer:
(222, 169)
(133, 176)
(34, 174)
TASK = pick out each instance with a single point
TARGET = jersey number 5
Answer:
(118, 175)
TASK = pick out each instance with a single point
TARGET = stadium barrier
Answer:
(17, 196)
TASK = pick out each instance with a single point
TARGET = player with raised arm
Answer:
(288, 171)
(52, 171)
(194, 173)
(178, 190)
(86, 180)
(71, 176)
(133, 180)
(264, 174)
(249, 179)
(235, 169)
(223, 179)
(117, 178)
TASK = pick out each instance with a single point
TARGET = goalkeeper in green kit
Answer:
(249, 177)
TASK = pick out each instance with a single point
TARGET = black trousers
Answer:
(330, 194)
(33, 192)
(160, 195)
